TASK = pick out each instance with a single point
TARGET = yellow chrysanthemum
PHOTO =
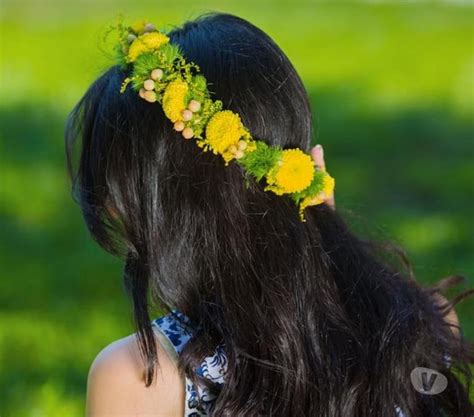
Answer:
(146, 43)
(138, 27)
(223, 130)
(328, 191)
(293, 173)
(174, 99)
(329, 184)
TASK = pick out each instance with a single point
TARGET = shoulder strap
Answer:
(174, 331)
(166, 344)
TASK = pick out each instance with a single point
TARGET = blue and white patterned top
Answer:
(177, 329)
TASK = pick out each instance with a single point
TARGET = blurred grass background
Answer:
(392, 93)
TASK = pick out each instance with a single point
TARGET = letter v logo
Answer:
(428, 381)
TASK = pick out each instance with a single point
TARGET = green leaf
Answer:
(261, 160)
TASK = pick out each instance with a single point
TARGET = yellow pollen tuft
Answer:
(223, 130)
(293, 174)
(174, 99)
(139, 26)
(147, 42)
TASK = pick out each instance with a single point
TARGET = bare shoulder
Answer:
(116, 387)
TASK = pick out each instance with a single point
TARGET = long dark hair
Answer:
(315, 321)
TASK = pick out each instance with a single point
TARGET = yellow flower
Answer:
(293, 173)
(328, 190)
(329, 184)
(174, 99)
(147, 42)
(139, 27)
(223, 130)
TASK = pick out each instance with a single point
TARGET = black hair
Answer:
(315, 320)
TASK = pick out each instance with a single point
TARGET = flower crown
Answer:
(161, 74)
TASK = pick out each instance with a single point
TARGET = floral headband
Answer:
(161, 74)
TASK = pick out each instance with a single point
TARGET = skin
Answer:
(116, 388)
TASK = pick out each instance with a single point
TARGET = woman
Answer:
(267, 315)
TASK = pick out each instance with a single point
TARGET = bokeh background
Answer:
(391, 86)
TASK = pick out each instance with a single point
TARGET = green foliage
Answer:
(164, 58)
(145, 63)
(200, 82)
(261, 160)
(316, 186)
(170, 53)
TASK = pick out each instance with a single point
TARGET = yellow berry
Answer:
(156, 74)
(141, 93)
(232, 149)
(179, 126)
(149, 27)
(239, 154)
(194, 106)
(149, 85)
(242, 145)
(188, 133)
(187, 115)
(150, 96)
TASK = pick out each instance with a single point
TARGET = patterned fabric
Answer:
(178, 330)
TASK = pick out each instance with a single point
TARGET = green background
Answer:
(392, 93)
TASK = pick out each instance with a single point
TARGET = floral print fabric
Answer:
(178, 330)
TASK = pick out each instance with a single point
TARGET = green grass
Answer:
(391, 88)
